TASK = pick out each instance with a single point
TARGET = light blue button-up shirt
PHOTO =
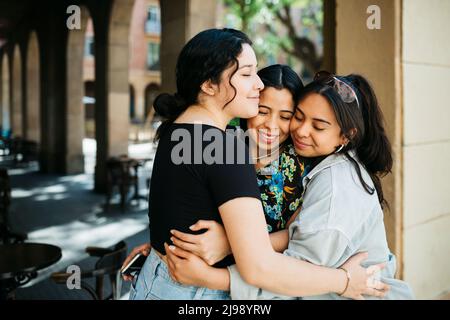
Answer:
(339, 219)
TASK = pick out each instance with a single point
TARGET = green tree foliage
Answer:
(274, 28)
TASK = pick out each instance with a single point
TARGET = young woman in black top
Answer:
(216, 82)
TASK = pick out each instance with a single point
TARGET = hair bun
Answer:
(169, 106)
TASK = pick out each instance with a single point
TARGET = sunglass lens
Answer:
(344, 91)
(322, 75)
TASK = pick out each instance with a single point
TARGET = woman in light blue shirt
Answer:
(337, 123)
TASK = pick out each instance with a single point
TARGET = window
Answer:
(153, 56)
(153, 23)
(89, 46)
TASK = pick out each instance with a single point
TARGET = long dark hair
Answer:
(203, 58)
(280, 77)
(370, 141)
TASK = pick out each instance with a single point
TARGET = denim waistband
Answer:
(155, 267)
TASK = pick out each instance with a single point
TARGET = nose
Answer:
(271, 123)
(259, 85)
(301, 129)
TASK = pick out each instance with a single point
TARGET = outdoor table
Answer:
(139, 163)
(136, 163)
(20, 262)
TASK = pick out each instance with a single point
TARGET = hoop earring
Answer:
(340, 148)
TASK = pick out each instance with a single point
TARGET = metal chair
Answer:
(121, 172)
(109, 264)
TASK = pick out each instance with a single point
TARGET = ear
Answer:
(208, 88)
(352, 133)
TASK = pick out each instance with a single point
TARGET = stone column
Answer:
(33, 94)
(17, 109)
(53, 44)
(6, 97)
(181, 20)
(112, 92)
(75, 92)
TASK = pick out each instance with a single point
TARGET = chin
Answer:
(251, 113)
(304, 153)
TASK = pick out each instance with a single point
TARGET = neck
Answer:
(207, 115)
(267, 157)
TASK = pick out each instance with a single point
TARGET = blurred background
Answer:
(77, 84)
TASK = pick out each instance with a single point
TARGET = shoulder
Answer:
(350, 206)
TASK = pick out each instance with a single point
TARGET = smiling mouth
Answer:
(267, 138)
(301, 145)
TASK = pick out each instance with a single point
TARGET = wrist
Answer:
(347, 280)
(218, 279)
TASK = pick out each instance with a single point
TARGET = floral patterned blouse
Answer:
(281, 188)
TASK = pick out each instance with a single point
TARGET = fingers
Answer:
(127, 277)
(191, 238)
(184, 245)
(172, 259)
(374, 293)
(372, 269)
(180, 253)
(378, 285)
(171, 265)
(144, 249)
(202, 224)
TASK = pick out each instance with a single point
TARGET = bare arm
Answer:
(258, 263)
(212, 245)
(279, 240)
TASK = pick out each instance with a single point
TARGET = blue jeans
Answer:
(155, 283)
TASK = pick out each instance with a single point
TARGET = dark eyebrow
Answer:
(246, 66)
(321, 120)
(315, 119)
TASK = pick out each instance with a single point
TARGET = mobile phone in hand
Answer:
(135, 265)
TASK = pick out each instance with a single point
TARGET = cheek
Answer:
(255, 122)
(252, 122)
(293, 126)
(325, 141)
(284, 127)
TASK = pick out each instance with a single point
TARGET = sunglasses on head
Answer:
(343, 89)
